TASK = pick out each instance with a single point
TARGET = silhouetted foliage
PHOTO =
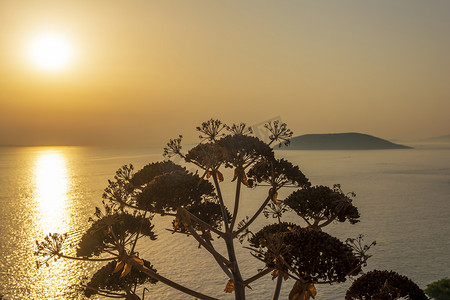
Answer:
(197, 208)
(439, 290)
(240, 128)
(173, 147)
(279, 132)
(109, 278)
(50, 248)
(384, 285)
(211, 130)
(360, 249)
(167, 192)
(119, 191)
(259, 240)
(150, 171)
(320, 205)
(243, 150)
(313, 256)
(124, 226)
(209, 212)
(209, 156)
(278, 173)
(275, 210)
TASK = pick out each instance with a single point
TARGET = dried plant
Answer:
(196, 205)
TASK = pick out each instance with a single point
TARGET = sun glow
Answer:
(51, 52)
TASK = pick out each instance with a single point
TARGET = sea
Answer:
(402, 195)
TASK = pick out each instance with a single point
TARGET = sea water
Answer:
(402, 196)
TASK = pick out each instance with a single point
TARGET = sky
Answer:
(142, 72)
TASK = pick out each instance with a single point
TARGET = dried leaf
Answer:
(295, 297)
(273, 195)
(302, 291)
(176, 225)
(208, 174)
(298, 291)
(219, 176)
(236, 174)
(275, 274)
(132, 297)
(312, 290)
(244, 179)
(138, 260)
(229, 288)
(119, 266)
(274, 198)
(184, 217)
(126, 270)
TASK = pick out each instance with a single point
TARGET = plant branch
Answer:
(306, 220)
(216, 254)
(222, 205)
(257, 276)
(137, 233)
(236, 202)
(203, 224)
(252, 218)
(328, 221)
(87, 259)
(220, 263)
(104, 292)
(120, 247)
(168, 282)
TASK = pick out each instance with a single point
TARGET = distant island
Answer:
(340, 141)
(440, 139)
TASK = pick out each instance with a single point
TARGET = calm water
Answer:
(402, 195)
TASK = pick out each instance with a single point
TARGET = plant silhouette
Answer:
(302, 252)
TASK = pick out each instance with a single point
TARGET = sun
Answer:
(50, 51)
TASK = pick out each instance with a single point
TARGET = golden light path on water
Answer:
(51, 196)
(51, 180)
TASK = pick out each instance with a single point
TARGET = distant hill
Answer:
(443, 138)
(340, 141)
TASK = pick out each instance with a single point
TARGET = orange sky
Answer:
(146, 71)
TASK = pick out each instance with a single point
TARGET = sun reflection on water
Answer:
(52, 182)
(43, 190)
(53, 213)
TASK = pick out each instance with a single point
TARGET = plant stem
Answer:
(276, 293)
(239, 287)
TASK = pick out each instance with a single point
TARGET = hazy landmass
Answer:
(442, 138)
(437, 142)
(341, 141)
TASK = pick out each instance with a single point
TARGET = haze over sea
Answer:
(402, 196)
